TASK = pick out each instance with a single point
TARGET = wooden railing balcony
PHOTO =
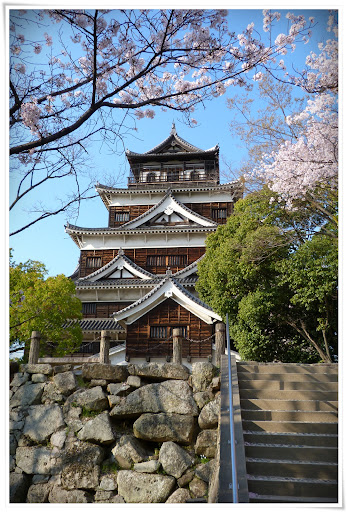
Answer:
(164, 180)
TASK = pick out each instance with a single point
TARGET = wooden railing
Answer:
(137, 180)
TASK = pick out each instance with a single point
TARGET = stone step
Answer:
(288, 405)
(280, 385)
(298, 487)
(289, 394)
(290, 452)
(262, 498)
(287, 377)
(306, 416)
(291, 469)
(291, 439)
(290, 426)
(279, 368)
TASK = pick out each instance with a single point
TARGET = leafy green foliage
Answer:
(45, 305)
(109, 467)
(276, 278)
(81, 382)
(89, 413)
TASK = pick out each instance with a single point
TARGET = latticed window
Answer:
(122, 216)
(195, 175)
(151, 177)
(164, 331)
(174, 260)
(94, 261)
(89, 308)
(184, 330)
(177, 260)
(156, 261)
(173, 174)
(219, 213)
(158, 331)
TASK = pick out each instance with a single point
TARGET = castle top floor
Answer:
(174, 161)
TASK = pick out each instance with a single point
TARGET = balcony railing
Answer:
(154, 180)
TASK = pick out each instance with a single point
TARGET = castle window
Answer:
(93, 262)
(195, 175)
(122, 216)
(174, 260)
(151, 177)
(184, 330)
(177, 260)
(173, 175)
(158, 332)
(156, 261)
(219, 213)
(89, 308)
(162, 331)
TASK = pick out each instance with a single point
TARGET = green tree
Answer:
(42, 304)
(276, 278)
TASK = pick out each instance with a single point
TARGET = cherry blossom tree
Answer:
(99, 70)
(304, 168)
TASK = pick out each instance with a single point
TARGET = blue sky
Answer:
(47, 241)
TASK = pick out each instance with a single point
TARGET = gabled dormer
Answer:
(120, 267)
(174, 160)
(169, 212)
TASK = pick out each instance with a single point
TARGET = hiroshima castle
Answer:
(136, 277)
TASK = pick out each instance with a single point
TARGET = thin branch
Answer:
(45, 215)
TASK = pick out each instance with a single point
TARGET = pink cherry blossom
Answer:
(30, 113)
(37, 49)
(49, 39)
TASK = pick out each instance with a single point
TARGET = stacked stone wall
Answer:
(113, 434)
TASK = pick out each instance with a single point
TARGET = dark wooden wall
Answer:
(170, 314)
(207, 209)
(139, 256)
(204, 209)
(105, 309)
(134, 212)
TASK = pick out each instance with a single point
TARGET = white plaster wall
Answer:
(112, 295)
(185, 197)
(142, 240)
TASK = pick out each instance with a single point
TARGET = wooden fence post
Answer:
(177, 345)
(220, 342)
(105, 347)
(34, 347)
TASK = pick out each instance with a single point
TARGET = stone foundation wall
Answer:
(115, 434)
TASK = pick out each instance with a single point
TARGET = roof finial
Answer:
(168, 272)
(120, 252)
(173, 129)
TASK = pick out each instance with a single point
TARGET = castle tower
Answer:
(136, 278)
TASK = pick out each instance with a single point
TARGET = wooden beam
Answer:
(67, 360)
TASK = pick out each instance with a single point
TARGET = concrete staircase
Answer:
(289, 421)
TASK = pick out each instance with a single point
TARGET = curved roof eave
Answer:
(78, 230)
